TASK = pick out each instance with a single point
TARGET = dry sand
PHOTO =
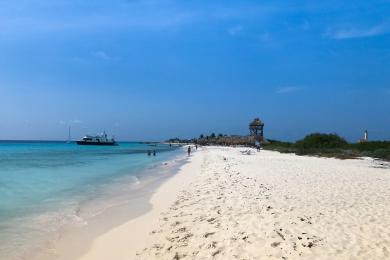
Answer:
(226, 205)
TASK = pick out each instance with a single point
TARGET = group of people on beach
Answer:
(188, 151)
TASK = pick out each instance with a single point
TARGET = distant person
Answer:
(149, 153)
(189, 150)
(258, 146)
(154, 152)
(196, 147)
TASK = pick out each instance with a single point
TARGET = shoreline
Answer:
(75, 239)
(123, 241)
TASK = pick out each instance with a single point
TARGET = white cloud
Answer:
(286, 90)
(350, 33)
(102, 55)
(235, 30)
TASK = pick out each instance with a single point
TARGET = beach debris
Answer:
(216, 252)
(211, 220)
(178, 256)
(212, 245)
(280, 234)
(209, 234)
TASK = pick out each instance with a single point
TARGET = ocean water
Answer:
(45, 186)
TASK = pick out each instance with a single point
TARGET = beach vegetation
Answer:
(316, 144)
(321, 141)
(332, 145)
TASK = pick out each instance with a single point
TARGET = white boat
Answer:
(97, 140)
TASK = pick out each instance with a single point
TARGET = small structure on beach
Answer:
(256, 129)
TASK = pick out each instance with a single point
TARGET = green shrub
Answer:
(371, 146)
(321, 141)
(332, 145)
(381, 154)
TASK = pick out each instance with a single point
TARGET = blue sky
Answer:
(150, 70)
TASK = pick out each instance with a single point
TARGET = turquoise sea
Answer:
(47, 185)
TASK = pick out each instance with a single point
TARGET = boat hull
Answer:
(96, 143)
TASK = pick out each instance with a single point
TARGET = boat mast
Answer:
(68, 136)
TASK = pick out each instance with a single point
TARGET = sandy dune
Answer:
(275, 206)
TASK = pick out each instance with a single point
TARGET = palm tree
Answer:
(256, 128)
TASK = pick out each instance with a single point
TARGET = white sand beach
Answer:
(227, 205)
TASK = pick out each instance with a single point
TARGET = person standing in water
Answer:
(154, 152)
(189, 150)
